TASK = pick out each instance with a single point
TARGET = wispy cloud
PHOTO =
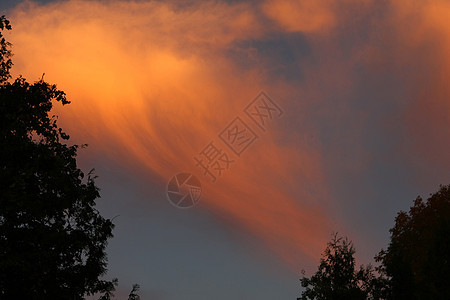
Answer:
(151, 83)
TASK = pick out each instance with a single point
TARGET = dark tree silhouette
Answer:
(417, 260)
(337, 277)
(133, 294)
(5, 53)
(52, 239)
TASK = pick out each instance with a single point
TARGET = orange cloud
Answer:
(151, 84)
(419, 53)
(428, 117)
(302, 16)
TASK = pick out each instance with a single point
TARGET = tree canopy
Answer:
(416, 264)
(338, 278)
(417, 260)
(52, 238)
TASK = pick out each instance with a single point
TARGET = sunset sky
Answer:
(363, 128)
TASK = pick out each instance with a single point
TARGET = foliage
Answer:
(133, 294)
(337, 277)
(5, 53)
(52, 239)
(417, 260)
(415, 265)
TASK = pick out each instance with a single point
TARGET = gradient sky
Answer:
(365, 128)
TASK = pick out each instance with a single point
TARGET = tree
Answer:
(417, 260)
(337, 277)
(133, 294)
(5, 53)
(52, 238)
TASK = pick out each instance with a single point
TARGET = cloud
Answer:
(426, 43)
(407, 49)
(302, 16)
(152, 83)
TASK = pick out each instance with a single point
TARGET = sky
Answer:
(345, 107)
